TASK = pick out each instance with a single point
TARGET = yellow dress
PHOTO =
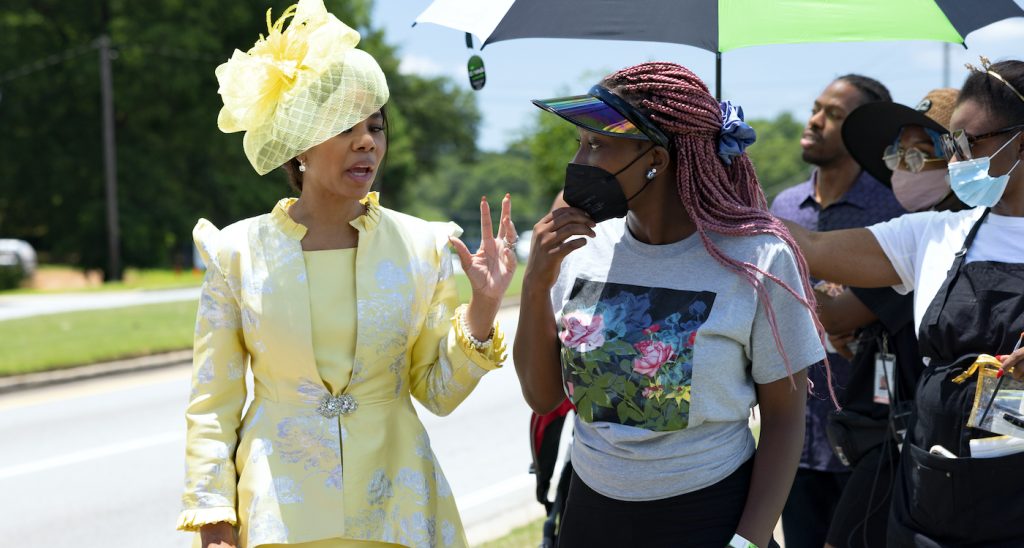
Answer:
(331, 447)
(332, 305)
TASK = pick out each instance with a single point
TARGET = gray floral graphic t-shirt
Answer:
(661, 347)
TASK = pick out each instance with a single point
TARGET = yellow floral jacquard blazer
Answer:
(302, 464)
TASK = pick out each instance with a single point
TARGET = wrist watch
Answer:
(739, 542)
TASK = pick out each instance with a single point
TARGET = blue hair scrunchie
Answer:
(736, 134)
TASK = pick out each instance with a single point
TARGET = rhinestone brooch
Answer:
(332, 406)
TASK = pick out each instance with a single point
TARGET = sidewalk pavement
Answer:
(13, 307)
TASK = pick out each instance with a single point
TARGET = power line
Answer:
(173, 53)
(46, 62)
(69, 54)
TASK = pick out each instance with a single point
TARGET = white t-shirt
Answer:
(921, 248)
(661, 347)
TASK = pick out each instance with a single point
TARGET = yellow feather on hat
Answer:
(298, 86)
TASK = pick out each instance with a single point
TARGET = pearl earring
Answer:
(302, 167)
(652, 173)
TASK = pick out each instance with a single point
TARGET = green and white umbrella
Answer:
(720, 25)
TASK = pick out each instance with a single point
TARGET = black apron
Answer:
(939, 501)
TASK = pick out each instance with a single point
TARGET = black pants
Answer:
(812, 502)
(707, 517)
(862, 514)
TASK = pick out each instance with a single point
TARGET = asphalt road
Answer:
(99, 463)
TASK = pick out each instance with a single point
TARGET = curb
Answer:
(27, 381)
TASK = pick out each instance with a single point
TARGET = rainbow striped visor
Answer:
(601, 111)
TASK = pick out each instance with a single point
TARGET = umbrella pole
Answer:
(718, 75)
(945, 68)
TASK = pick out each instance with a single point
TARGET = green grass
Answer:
(169, 279)
(73, 338)
(134, 278)
(514, 289)
(527, 536)
(155, 279)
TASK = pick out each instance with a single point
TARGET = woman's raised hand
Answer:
(551, 243)
(491, 268)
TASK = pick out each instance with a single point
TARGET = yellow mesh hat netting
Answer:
(298, 86)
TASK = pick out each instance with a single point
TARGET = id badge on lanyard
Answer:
(883, 383)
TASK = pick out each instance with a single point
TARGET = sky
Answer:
(764, 80)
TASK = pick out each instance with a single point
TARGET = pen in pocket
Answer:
(999, 381)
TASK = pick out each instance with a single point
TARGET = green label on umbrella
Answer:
(477, 76)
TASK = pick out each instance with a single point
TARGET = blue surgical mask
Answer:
(972, 183)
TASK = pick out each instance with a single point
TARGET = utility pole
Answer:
(113, 271)
(945, 64)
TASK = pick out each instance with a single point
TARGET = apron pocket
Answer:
(933, 503)
(994, 492)
(967, 501)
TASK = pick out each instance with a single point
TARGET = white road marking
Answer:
(90, 454)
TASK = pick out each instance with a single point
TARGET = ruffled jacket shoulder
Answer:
(219, 247)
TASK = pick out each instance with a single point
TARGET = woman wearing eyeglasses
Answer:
(901, 147)
(966, 269)
(666, 301)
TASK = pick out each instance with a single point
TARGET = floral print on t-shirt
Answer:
(627, 352)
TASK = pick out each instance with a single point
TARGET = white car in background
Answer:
(523, 246)
(18, 253)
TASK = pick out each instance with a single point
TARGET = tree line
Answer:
(174, 166)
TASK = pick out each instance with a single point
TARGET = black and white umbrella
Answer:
(720, 25)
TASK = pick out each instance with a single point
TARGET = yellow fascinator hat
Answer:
(298, 86)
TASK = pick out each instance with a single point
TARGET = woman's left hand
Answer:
(491, 268)
(1014, 363)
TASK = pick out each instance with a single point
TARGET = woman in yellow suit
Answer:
(341, 308)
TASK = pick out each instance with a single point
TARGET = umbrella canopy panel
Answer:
(690, 22)
(476, 17)
(744, 23)
(720, 25)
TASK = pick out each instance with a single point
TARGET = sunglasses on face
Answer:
(959, 142)
(914, 159)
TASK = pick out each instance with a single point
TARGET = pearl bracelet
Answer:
(473, 341)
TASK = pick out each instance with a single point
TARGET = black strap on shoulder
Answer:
(958, 262)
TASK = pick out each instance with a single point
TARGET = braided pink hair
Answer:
(718, 198)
